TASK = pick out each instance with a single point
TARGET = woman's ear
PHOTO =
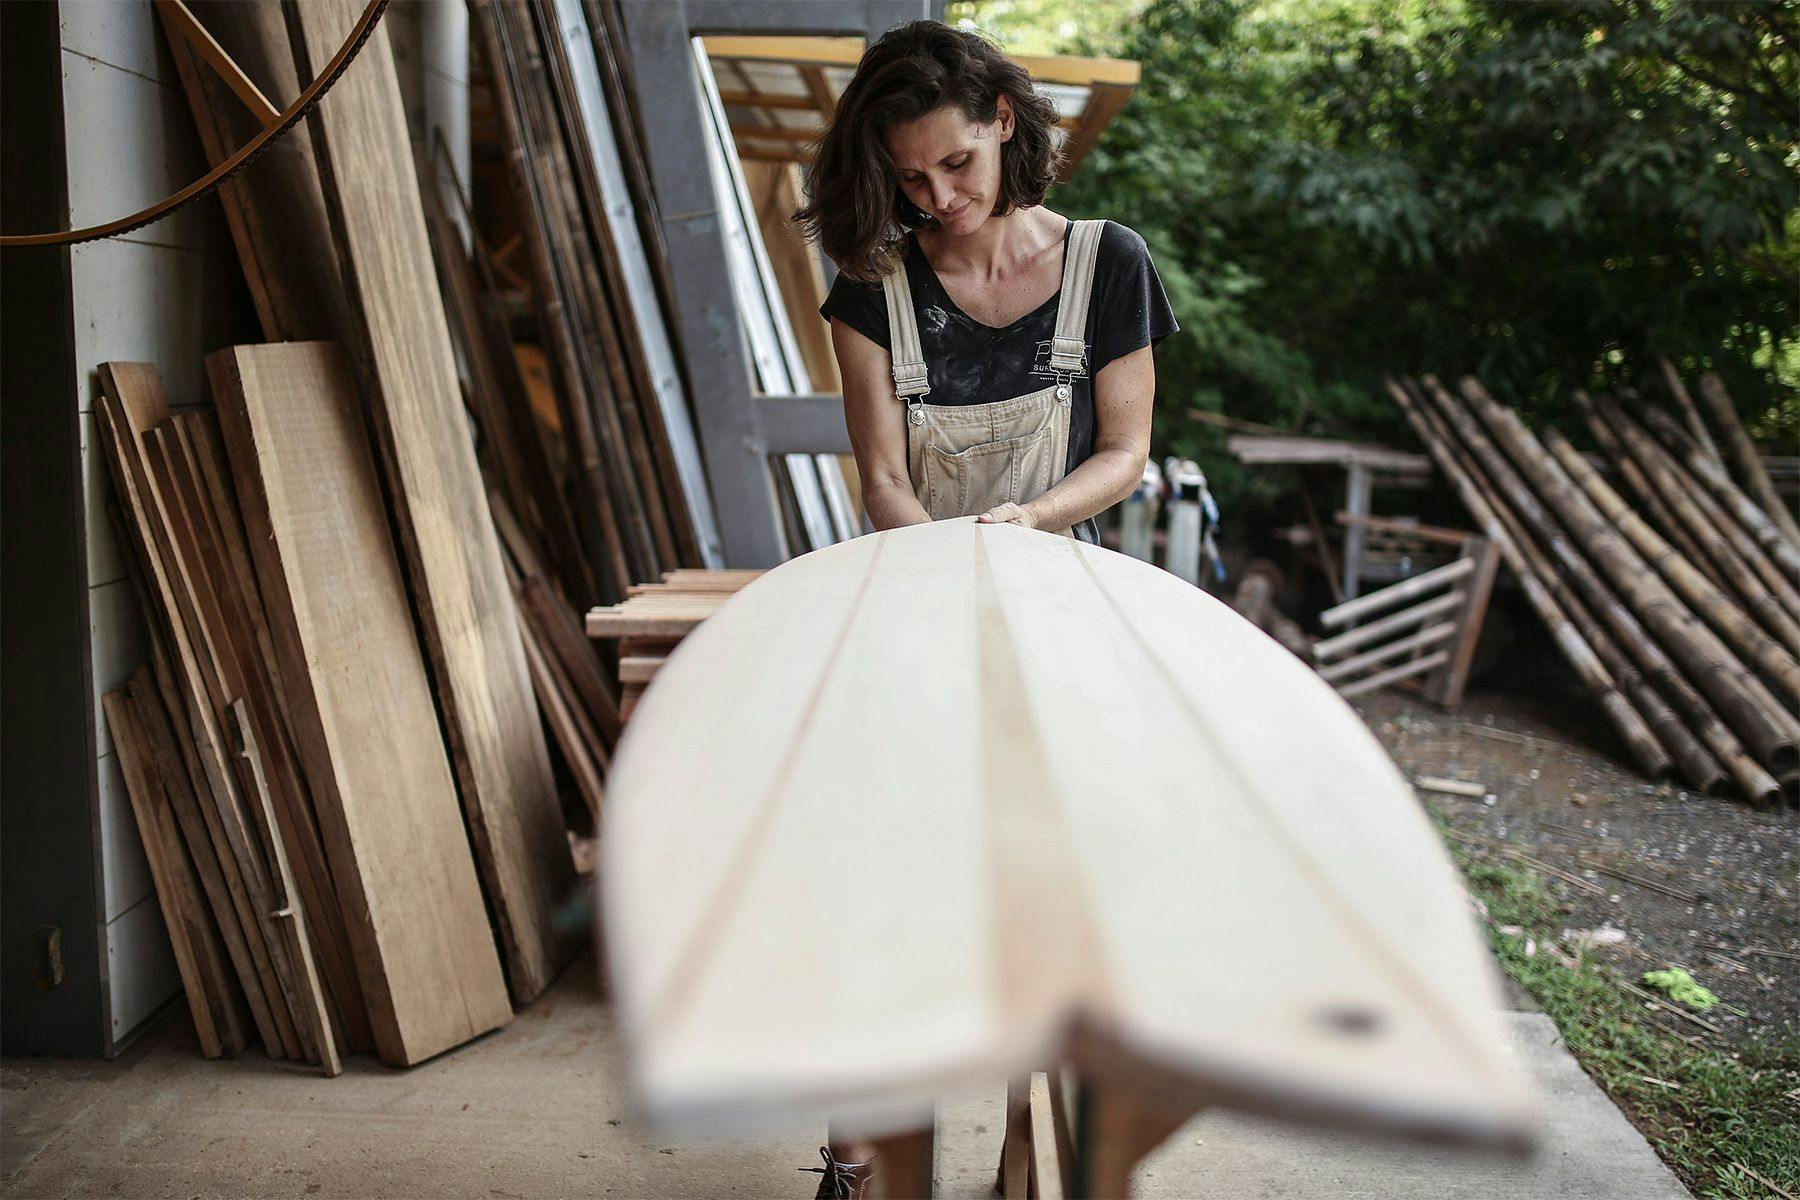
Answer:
(1004, 115)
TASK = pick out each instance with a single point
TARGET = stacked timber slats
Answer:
(338, 755)
(1671, 586)
(651, 622)
(214, 738)
(633, 480)
(359, 696)
(186, 880)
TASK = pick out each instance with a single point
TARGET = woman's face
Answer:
(950, 166)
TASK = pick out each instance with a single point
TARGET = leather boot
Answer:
(840, 1180)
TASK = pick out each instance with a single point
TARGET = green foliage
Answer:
(1544, 195)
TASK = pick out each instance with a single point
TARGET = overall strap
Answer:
(903, 335)
(1068, 350)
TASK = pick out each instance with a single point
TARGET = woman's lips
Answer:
(955, 213)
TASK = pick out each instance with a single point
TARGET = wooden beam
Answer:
(1417, 666)
(1446, 686)
(771, 100)
(1429, 636)
(1068, 69)
(1426, 533)
(776, 133)
(820, 87)
(1104, 103)
(1387, 597)
(177, 17)
(1406, 618)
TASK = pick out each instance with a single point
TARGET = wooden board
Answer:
(199, 952)
(131, 403)
(231, 620)
(364, 722)
(952, 802)
(275, 209)
(409, 385)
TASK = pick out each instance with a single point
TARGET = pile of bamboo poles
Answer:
(1677, 602)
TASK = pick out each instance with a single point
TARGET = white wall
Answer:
(166, 294)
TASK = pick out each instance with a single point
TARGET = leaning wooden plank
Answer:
(312, 1011)
(216, 938)
(241, 678)
(198, 436)
(169, 873)
(179, 769)
(224, 677)
(600, 277)
(363, 718)
(562, 635)
(131, 402)
(275, 211)
(575, 737)
(556, 322)
(1047, 1160)
(235, 972)
(466, 608)
(1381, 679)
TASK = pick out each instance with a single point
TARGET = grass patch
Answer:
(1709, 1112)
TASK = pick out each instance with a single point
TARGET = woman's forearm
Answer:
(1095, 485)
(891, 505)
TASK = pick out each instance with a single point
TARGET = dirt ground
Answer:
(1700, 882)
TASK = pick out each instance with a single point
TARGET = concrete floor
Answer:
(537, 1109)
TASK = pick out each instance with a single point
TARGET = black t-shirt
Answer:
(973, 363)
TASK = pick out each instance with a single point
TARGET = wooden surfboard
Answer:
(953, 802)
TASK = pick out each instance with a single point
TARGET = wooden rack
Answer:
(1434, 636)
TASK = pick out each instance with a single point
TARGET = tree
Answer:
(1547, 195)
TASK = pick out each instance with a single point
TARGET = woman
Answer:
(1023, 389)
(1032, 335)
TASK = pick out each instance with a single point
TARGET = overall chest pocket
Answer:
(963, 477)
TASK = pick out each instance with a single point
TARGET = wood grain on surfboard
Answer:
(952, 802)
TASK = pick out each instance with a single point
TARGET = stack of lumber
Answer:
(287, 722)
(337, 755)
(651, 622)
(1673, 589)
(629, 479)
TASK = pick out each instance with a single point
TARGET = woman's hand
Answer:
(1008, 514)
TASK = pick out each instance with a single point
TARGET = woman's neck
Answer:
(999, 248)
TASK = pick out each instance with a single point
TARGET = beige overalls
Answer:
(966, 458)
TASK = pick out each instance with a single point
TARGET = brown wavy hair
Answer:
(856, 210)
